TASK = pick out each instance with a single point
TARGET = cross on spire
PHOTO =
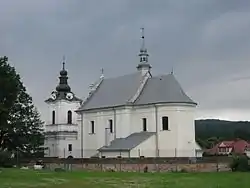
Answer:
(143, 40)
(64, 62)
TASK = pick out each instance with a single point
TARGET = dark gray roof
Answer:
(163, 89)
(114, 92)
(118, 91)
(128, 143)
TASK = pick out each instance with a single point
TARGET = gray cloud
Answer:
(207, 42)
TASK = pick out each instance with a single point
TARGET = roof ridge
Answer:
(141, 92)
(143, 81)
(121, 75)
(91, 94)
(160, 75)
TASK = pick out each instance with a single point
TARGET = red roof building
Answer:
(226, 147)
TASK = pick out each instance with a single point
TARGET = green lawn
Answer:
(29, 178)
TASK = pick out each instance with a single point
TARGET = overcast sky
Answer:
(207, 42)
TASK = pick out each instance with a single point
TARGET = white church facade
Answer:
(132, 115)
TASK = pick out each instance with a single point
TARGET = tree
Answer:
(239, 163)
(20, 126)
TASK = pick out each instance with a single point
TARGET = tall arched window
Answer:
(111, 125)
(144, 124)
(53, 117)
(165, 125)
(69, 117)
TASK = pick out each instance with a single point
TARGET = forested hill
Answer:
(212, 129)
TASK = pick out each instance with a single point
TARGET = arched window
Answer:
(92, 127)
(111, 125)
(69, 117)
(165, 123)
(69, 147)
(144, 124)
(53, 117)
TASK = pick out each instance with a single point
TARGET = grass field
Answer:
(10, 178)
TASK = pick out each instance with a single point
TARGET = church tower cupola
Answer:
(143, 66)
(63, 83)
(63, 90)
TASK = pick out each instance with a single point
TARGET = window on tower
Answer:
(165, 125)
(53, 117)
(69, 117)
(144, 124)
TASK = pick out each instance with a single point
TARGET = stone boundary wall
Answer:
(217, 159)
(205, 167)
(138, 165)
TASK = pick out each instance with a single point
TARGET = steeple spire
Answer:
(143, 65)
(143, 51)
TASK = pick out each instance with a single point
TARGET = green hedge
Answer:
(239, 163)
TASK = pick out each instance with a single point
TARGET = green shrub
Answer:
(183, 170)
(59, 170)
(239, 163)
(5, 159)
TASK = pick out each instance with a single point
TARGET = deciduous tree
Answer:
(20, 126)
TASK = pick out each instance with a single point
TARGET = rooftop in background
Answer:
(230, 146)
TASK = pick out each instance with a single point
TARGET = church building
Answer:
(132, 115)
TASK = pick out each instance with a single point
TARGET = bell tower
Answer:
(61, 129)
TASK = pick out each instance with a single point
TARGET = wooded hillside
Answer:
(211, 131)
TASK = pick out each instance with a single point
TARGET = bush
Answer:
(59, 170)
(239, 163)
(5, 159)
(145, 169)
(183, 170)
